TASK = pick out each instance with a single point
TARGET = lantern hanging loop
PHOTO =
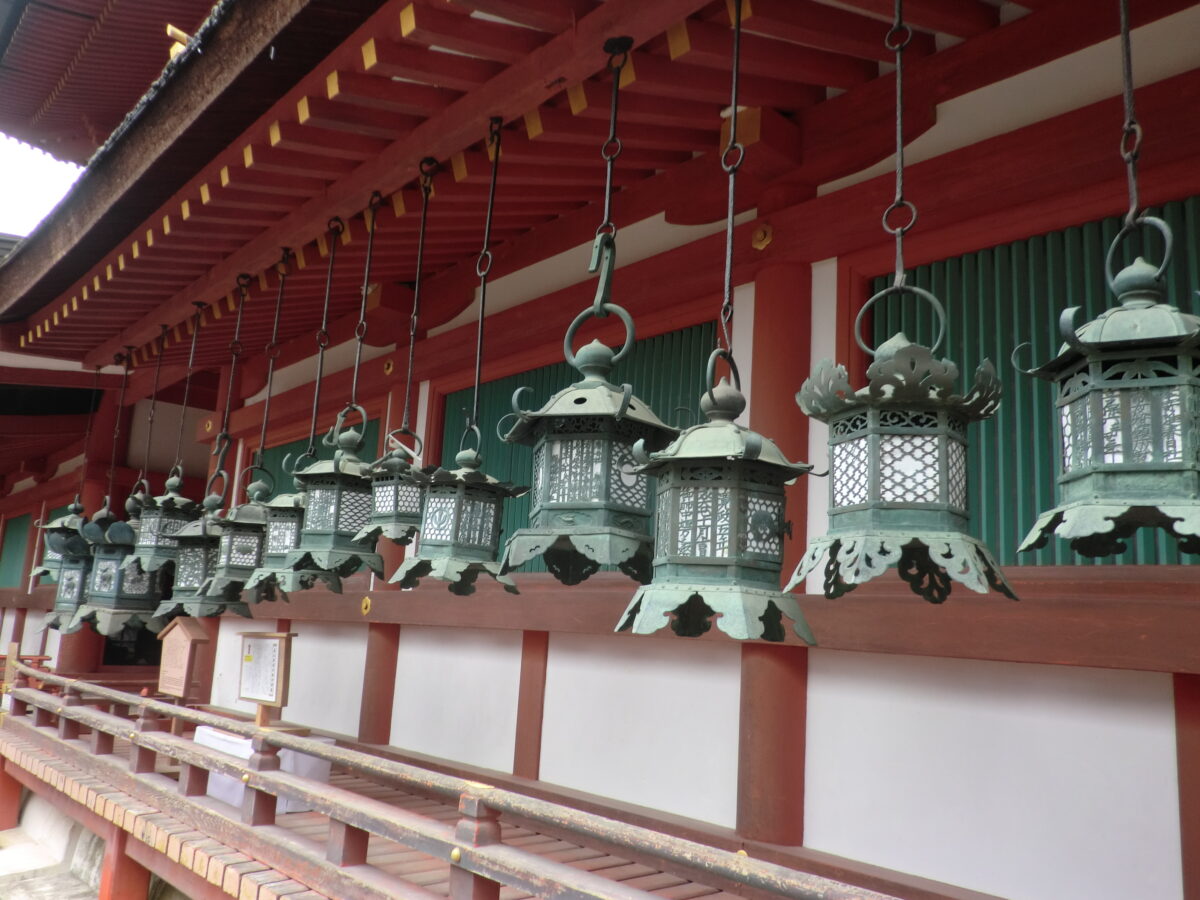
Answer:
(732, 158)
(334, 228)
(125, 360)
(939, 313)
(896, 40)
(143, 480)
(429, 167)
(197, 319)
(370, 215)
(1140, 222)
(483, 265)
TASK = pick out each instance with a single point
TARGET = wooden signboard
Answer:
(265, 670)
(179, 641)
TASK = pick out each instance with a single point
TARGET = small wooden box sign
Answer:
(266, 657)
(179, 641)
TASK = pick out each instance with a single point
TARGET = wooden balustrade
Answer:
(480, 864)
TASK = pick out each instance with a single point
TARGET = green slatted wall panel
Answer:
(36, 534)
(273, 456)
(665, 371)
(12, 549)
(1000, 297)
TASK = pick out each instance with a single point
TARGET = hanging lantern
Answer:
(460, 526)
(721, 520)
(1128, 396)
(1128, 386)
(240, 546)
(284, 520)
(590, 507)
(116, 597)
(161, 519)
(69, 553)
(898, 473)
(199, 554)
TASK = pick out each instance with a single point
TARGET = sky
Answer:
(31, 182)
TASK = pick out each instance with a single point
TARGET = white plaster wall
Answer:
(31, 641)
(646, 721)
(456, 694)
(7, 629)
(226, 665)
(1031, 782)
(328, 661)
(166, 431)
(53, 638)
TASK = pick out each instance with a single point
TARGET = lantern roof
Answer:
(468, 462)
(171, 499)
(73, 519)
(106, 528)
(345, 459)
(719, 438)
(593, 395)
(902, 374)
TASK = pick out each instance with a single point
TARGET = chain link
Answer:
(731, 160)
(197, 318)
(162, 346)
(429, 168)
(483, 266)
(334, 227)
(618, 54)
(87, 434)
(370, 216)
(126, 360)
(1131, 131)
(272, 351)
(896, 40)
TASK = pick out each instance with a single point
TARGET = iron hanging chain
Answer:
(1131, 131)
(162, 346)
(87, 434)
(370, 215)
(429, 168)
(896, 40)
(335, 227)
(112, 463)
(223, 440)
(731, 160)
(483, 265)
(272, 351)
(617, 49)
(197, 319)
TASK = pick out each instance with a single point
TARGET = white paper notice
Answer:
(260, 669)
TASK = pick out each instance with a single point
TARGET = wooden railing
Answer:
(472, 847)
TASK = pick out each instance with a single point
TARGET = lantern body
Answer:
(718, 542)
(117, 596)
(283, 519)
(243, 535)
(460, 527)
(68, 552)
(1128, 386)
(199, 554)
(898, 488)
(337, 506)
(396, 500)
(591, 507)
(161, 520)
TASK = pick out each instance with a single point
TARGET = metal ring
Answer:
(415, 451)
(483, 264)
(710, 371)
(897, 37)
(462, 442)
(619, 312)
(235, 348)
(897, 205)
(939, 312)
(609, 228)
(322, 338)
(500, 423)
(360, 330)
(610, 149)
(1128, 151)
(735, 148)
(1152, 221)
(243, 280)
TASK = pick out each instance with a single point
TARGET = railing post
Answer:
(143, 759)
(193, 780)
(478, 827)
(68, 729)
(258, 807)
(347, 845)
(18, 707)
(102, 742)
(42, 717)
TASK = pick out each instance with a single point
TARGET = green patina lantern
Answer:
(1128, 403)
(721, 521)
(69, 554)
(116, 596)
(590, 505)
(243, 534)
(898, 468)
(337, 506)
(196, 563)
(284, 520)
(161, 519)
(396, 500)
(460, 526)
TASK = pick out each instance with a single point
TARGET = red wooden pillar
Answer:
(379, 682)
(774, 697)
(121, 878)
(1187, 738)
(531, 697)
(80, 652)
(10, 800)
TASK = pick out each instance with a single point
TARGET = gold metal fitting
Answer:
(762, 237)
(246, 778)
(388, 367)
(455, 855)
(366, 604)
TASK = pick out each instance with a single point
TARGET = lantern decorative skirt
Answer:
(161, 518)
(337, 507)
(1129, 422)
(720, 525)
(460, 526)
(590, 506)
(898, 473)
(199, 552)
(283, 520)
(117, 596)
(395, 499)
(73, 565)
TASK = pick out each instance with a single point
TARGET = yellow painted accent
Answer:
(276, 134)
(216, 310)
(224, 176)
(302, 111)
(176, 337)
(347, 237)
(533, 124)
(628, 73)
(54, 320)
(66, 310)
(22, 344)
(678, 42)
(408, 20)
(46, 325)
(458, 165)
(84, 292)
(331, 85)
(166, 223)
(31, 335)
(96, 282)
(577, 97)
(322, 245)
(301, 262)
(205, 195)
(262, 281)
(121, 262)
(398, 204)
(230, 302)
(248, 156)
(38, 329)
(369, 57)
(149, 237)
(185, 209)
(137, 250)
(108, 272)
(74, 304)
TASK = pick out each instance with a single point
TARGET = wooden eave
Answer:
(363, 118)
